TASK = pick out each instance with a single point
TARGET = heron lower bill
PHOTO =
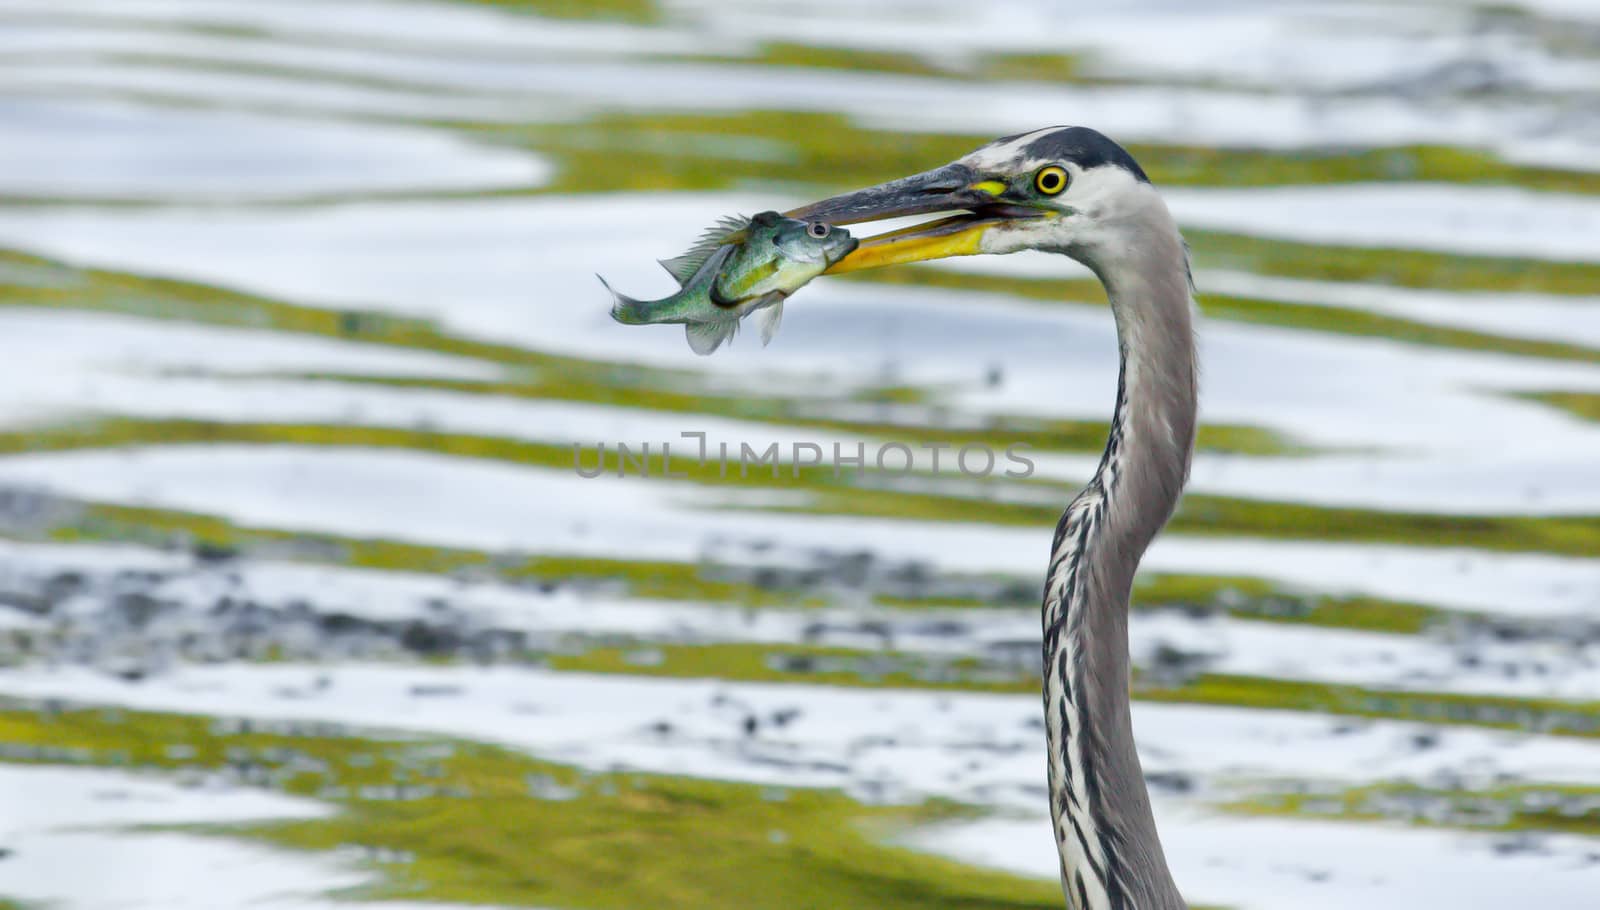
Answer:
(978, 206)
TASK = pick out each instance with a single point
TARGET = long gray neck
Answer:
(1111, 857)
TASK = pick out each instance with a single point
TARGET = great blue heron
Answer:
(1071, 190)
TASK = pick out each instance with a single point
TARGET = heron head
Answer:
(1062, 189)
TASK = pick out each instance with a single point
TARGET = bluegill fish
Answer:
(741, 266)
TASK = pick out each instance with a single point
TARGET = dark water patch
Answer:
(859, 573)
(137, 623)
(810, 664)
(750, 573)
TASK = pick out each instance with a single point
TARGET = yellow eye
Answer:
(1051, 180)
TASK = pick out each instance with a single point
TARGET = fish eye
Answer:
(1051, 180)
(818, 230)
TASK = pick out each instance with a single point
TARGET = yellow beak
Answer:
(958, 235)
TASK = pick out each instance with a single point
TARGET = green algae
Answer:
(1261, 600)
(1585, 405)
(1541, 715)
(645, 579)
(837, 667)
(642, 12)
(33, 281)
(929, 423)
(1560, 534)
(1207, 515)
(1353, 322)
(1254, 599)
(1406, 268)
(1035, 67)
(809, 56)
(1509, 808)
(834, 151)
(478, 824)
(1346, 321)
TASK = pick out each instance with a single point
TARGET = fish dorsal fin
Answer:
(684, 267)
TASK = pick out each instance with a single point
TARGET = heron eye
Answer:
(818, 230)
(1051, 180)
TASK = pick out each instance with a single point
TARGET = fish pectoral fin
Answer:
(771, 317)
(705, 337)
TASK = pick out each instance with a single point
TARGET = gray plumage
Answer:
(1071, 190)
(1099, 542)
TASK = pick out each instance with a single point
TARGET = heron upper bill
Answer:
(954, 188)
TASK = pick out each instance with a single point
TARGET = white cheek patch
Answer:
(1103, 191)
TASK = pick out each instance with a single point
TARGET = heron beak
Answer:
(973, 205)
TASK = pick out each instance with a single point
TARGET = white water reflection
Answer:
(1543, 317)
(1527, 113)
(421, 26)
(239, 143)
(116, 150)
(58, 820)
(522, 269)
(85, 839)
(115, 366)
(1253, 864)
(479, 504)
(902, 745)
(1273, 46)
(1491, 221)
(959, 745)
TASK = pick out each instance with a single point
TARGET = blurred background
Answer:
(304, 601)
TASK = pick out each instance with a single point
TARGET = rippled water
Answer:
(299, 329)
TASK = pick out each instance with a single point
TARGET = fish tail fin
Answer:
(625, 309)
(705, 337)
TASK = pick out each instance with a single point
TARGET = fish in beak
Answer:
(973, 204)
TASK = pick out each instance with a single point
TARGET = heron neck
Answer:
(1148, 451)
(1111, 856)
